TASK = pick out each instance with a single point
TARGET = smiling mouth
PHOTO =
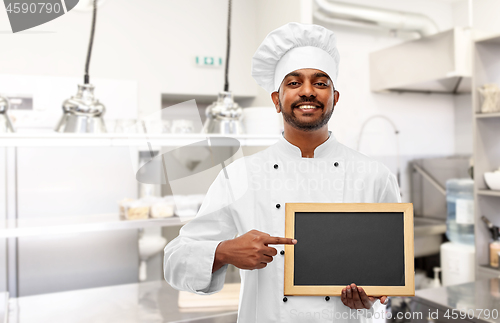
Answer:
(308, 107)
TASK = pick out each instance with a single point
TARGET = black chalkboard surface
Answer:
(369, 244)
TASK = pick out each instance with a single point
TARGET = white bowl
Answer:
(492, 179)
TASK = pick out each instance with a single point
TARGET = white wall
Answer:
(463, 124)
(460, 13)
(485, 15)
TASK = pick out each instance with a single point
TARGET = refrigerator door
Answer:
(64, 182)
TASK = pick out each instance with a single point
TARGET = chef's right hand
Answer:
(248, 251)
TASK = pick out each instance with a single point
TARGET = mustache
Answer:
(307, 100)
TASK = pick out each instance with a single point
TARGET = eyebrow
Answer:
(321, 75)
(298, 74)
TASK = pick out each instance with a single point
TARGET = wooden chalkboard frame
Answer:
(335, 290)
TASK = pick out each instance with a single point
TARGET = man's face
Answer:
(306, 98)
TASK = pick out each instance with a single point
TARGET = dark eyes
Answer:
(317, 83)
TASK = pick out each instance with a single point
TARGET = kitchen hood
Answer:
(440, 63)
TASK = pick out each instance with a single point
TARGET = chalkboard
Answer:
(369, 244)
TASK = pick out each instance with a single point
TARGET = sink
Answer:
(428, 226)
(428, 235)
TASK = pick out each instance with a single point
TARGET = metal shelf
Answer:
(492, 269)
(488, 193)
(486, 69)
(486, 271)
(122, 140)
(487, 115)
(487, 37)
(74, 224)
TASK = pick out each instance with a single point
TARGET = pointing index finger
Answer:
(279, 240)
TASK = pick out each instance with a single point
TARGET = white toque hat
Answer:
(292, 47)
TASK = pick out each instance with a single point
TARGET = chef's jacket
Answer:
(251, 193)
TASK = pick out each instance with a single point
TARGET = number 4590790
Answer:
(470, 314)
(33, 7)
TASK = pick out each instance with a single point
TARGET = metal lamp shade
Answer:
(82, 113)
(5, 123)
(224, 116)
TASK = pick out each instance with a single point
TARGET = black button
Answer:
(336, 164)
(282, 252)
(327, 298)
(285, 299)
(275, 166)
(278, 206)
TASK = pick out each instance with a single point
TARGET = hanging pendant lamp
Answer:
(224, 115)
(5, 123)
(83, 113)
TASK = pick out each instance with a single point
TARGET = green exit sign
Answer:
(208, 61)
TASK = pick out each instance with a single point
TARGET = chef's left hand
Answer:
(355, 298)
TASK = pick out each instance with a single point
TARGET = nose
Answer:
(307, 90)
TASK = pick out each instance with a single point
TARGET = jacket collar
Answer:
(292, 151)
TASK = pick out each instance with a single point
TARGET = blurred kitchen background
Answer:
(419, 84)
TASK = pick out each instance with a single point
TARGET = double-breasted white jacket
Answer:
(251, 193)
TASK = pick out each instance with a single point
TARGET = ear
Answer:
(275, 96)
(336, 96)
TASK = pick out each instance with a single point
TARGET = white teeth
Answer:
(308, 107)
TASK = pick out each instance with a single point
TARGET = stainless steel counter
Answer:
(477, 300)
(150, 302)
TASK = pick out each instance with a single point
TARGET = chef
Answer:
(242, 219)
